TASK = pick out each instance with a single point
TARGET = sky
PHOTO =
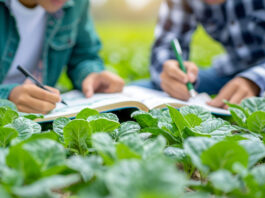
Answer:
(134, 4)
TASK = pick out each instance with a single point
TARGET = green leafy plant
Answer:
(162, 153)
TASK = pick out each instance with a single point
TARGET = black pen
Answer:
(38, 83)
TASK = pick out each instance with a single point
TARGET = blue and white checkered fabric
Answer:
(239, 25)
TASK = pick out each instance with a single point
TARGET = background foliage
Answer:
(127, 36)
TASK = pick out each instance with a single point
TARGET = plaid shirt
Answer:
(239, 25)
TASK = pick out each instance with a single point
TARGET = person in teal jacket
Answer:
(44, 36)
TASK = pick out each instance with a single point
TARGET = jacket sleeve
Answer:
(257, 75)
(85, 56)
(6, 89)
(175, 21)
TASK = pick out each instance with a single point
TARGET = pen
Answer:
(38, 83)
(178, 53)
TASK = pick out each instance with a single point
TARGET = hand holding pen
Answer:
(178, 76)
(31, 98)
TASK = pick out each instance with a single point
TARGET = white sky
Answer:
(134, 4)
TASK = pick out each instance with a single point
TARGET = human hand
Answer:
(104, 82)
(235, 91)
(174, 80)
(29, 98)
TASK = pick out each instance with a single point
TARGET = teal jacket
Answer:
(70, 40)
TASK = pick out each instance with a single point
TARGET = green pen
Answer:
(178, 53)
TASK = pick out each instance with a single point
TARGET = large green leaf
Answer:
(125, 129)
(197, 195)
(155, 131)
(59, 124)
(223, 155)
(239, 116)
(175, 153)
(8, 103)
(224, 180)
(145, 119)
(31, 116)
(130, 146)
(24, 162)
(86, 166)
(77, 136)
(25, 127)
(193, 120)
(47, 187)
(47, 153)
(134, 142)
(179, 120)
(258, 173)
(104, 145)
(124, 152)
(109, 116)
(106, 122)
(202, 113)
(51, 135)
(157, 178)
(96, 189)
(195, 146)
(85, 113)
(4, 193)
(214, 127)
(6, 135)
(256, 122)
(3, 153)
(11, 177)
(155, 148)
(255, 149)
(238, 108)
(254, 104)
(7, 116)
(161, 114)
(254, 181)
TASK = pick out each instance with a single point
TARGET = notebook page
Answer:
(153, 98)
(77, 101)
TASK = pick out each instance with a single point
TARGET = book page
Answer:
(153, 98)
(77, 101)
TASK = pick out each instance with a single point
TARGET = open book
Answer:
(131, 97)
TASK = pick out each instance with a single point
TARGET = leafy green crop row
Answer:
(162, 154)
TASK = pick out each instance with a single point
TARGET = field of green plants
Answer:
(161, 154)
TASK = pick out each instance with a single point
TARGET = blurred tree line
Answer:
(118, 10)
(127, 35)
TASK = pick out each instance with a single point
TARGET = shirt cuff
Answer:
(256, 75)
(6, 89)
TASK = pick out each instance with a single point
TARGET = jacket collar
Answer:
(69, 3)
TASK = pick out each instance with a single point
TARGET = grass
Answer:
(126, 50)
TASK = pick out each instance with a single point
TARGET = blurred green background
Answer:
(126, 29)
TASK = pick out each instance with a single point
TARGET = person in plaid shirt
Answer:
(239, 25)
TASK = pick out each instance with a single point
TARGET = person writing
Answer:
(237, 24)
(44, 36)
